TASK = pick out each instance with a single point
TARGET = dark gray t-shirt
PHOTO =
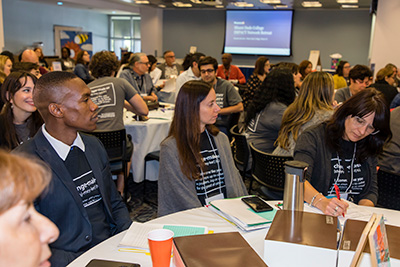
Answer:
(109, 94)
(227, 96)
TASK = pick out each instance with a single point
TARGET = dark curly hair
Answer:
(339, 69)
(278, 86)
(103, 64)
(361, 104)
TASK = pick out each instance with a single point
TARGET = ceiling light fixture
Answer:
(162, 6)
(349, 6)
(243, 4)
(280, 6)
(219, 6)
(275, 2)
(144, 2)
(196, 1)
(311, 4)
(60, 3)
(347, 1)
(180, 4)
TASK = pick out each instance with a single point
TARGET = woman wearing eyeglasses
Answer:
(342, 151)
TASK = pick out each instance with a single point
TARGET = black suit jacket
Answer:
(63, 205)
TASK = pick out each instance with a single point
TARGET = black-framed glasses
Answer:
(208, 70)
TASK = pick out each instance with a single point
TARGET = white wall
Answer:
(151, 30)
(386, 39)
(29, 22)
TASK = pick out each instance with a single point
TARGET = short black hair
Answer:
(360, 72)
(209, 60)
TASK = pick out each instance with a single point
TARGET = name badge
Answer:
(216, 197)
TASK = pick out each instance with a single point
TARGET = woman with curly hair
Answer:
(313, 105)
(19, 118)
(342, 153)
(341, 78)
(111, 94)
(264, 114)
(82, 66)
(253, 83)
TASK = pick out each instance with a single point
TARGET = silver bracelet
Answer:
(312, 200)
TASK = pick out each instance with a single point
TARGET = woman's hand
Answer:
(332, 206)
(366, 202)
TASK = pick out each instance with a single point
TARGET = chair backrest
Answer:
(268, 169)
(388, 190)
(114, 142)
(242, 152)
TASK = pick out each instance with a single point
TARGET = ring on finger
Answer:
(336, 208)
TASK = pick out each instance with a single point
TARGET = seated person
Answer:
(305, 68)
(256, 78)
(230, 72)
(264, 115)
(30, 67)
(196, 164)
(312, 106)
(342, 152)
(341, 77)
(228, 98)
(25, 234)
(82, 66)
(19, 119)
(110, 94)
(389, 159)
(294, 69)
(170, 69)
(82, 199)
(67, 63)
(385, 79)
(360, 78)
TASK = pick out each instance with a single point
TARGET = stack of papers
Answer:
(136, 236)
(237, 212)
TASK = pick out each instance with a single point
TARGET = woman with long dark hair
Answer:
(196, 164)
(342, 153)
(19, 118)
(264, 114)
(261, 70)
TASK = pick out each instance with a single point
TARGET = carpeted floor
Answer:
(143, 203)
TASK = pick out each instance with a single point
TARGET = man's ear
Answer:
(55, 110)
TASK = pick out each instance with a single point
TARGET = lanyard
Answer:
(219, 169)
(345, 170)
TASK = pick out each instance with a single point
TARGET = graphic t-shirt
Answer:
(213, 181)
(342, 166)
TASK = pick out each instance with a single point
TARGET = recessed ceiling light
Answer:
(180, 4)
(311, 4)
(162, 6)
(271, 1)
(145, 2)
(280, 6)
(127, 1)
(243, 4)
(60, 3)
(349, 6)
(196, 1)
(347, 1)
(219, 6)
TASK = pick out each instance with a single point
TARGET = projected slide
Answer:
(258, 32)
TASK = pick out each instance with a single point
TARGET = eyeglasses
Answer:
(360, 122)
(205, 71)
(365, 82)
(145, 63)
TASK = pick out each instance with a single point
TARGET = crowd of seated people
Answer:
(287, 109)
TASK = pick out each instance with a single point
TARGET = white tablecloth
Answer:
(146, 138)
(202, 217)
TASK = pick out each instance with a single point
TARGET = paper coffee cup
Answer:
(160, 243)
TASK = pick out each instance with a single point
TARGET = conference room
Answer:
(360, 35)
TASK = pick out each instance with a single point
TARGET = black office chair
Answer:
(241, 152)
(115, 144)
(155, 155)
(269, 171)
(388, 190)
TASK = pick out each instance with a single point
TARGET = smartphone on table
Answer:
(257, 204)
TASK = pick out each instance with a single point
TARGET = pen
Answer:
(338, 194)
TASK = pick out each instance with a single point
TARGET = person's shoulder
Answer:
(169, 141)
(221, 83)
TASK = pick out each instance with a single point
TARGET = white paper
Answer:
(169, 85)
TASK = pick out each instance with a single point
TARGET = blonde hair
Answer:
(3, 60)
(383, 73)
(20, 179)
(316, 93)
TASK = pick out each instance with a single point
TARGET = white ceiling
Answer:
(128, 6)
